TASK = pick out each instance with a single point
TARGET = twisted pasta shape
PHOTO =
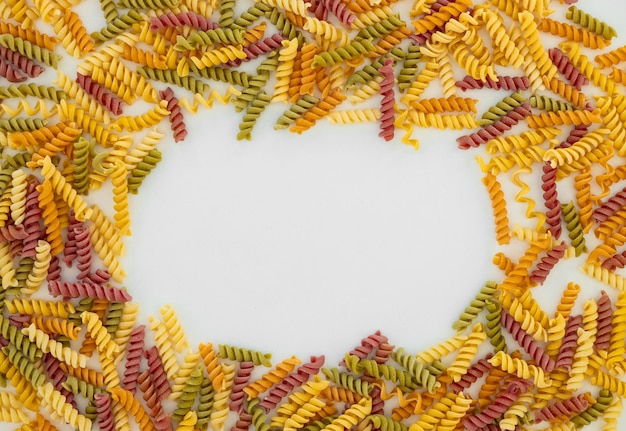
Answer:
(573, 52)
(143, 168)
(352, 416)
(73, 34)
(348, 381)
(87, 289)
(105, 414)
(157, 373)
(442, 121)
(286, 59)
(50, 216)
(578, 150)
(318, 111)
(611, 58)
(572, 33)
(474, 308)
(513, 83)
(467, 352)
(605, 322)
(591, 23)
(171, 77)
(271, 378)
(133, 407)
(165, 348)
(494, 329)
(348, 52)
(612, 414)
(134, 352)
(527, 342)
(188, 394)
(116, 26)
(64, 189)
(242, 377)
(421, 374)
(372, 368)
(25, 367)
(568, 345)
(57, 326)
(520, 368)
(567, 69)
(499, 110)
(561, 408)
(584, 348)
(220, 399)
(387, 127)
(39, 271)
(99, 333)
(10, 72)
(354, 116)
(552, 257)
(572, 222)
(496, 129)
(219, 56)
(594, 411)
(253, 112)
(32, 35)
(30, 50)
(56, 349)
(499, 208)
(439, 413)
(242, 354)
(38, 307)
(17, 63)
(55, 402)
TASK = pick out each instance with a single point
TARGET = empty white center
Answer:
(306, 244)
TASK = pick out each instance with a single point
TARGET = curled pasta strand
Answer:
(573, 52)
(611, 58)
(55, 402)
(560, 156)
(30, 50)
(590, 22)
(65, 190)
(354, 116)
(48, 345)
(73, 34)
(499, 208)
(572, 33)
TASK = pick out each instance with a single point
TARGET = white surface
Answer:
(306, 244)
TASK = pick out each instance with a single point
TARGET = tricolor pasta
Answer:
(557, 122)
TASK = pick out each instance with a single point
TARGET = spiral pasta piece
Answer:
(65, 189)
(48, 345)
(422, 375)
(30, 50)
(573, 52)
(54, 402)
(348, 381)
(133, 407)
(591, 23)
(467, 352)
(271, 378)
(573, 33)
(165, 348)
(520, 368)
(352, 416)
(612, 57)
(73, 34)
